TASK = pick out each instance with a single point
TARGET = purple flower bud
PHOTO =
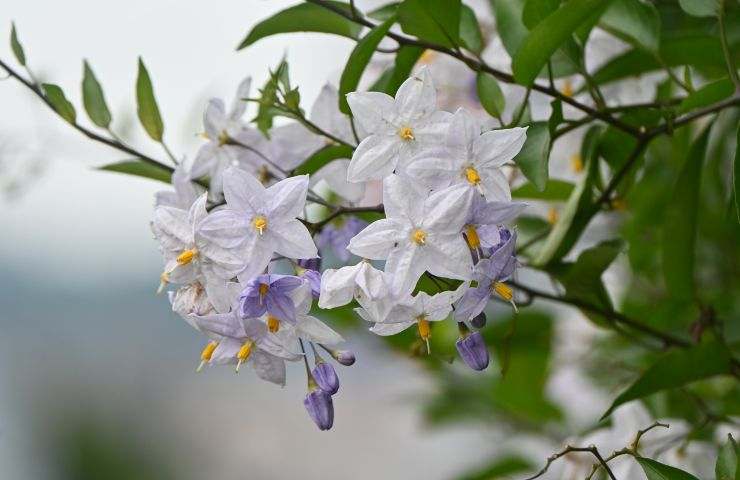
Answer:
(314, 280)
(479, 321)
(320, 408)
(345, 357)
(473, 351)
(326, 377)
(310, 263)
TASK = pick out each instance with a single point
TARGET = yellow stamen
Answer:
(505, 292)
(406, 133)
(223, 138)
(619, 204)
(567, 89)
(187, 256)
(263, 289)
(243, 354)
(419, 236)
(427, 57)
(472, 235)
(273, 324)
(576, 163)
(206, 354)
(164, 279)
(425, 330)
(264, 175)
(260, 223)
(471, 174)
(552, 216)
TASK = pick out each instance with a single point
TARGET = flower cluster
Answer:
(243, 254)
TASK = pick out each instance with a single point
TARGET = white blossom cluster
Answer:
(244, 254)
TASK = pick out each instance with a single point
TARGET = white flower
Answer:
(334, 174)
(418, 234)
(307, 327)
(258, 222)
(191, 301)
(227, 134)
(325, 113)
(185, 191)
(339, 287)
(398, 128)
(188, 257)
(469, 158)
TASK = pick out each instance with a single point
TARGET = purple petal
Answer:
(280, 306)
(320, 408)
(473, 351)
(326, 377)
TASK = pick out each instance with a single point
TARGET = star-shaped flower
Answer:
(469, 158)
(419, 234)
(258, 222)
(269, 294)
(398, 128)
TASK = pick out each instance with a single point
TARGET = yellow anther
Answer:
(223, 138)
(471, 174)
(206, 354)
(427, 57)
(243, 354)
(419, 236)
(273, 324)
(260, 223)
(552, 216)
(505, 292)
(472, 235)
(406, 133)
(264, 175)
(619, 204)
(567, 89)
(164, 279)
(263, 289)
(576, 163)
(425, 330)
(187, 256)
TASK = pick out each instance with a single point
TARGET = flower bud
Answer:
(326, 377)
(314, 281)
(479, 321)
(473, 351)
(310, 263)
(345, 357)
(320, 408)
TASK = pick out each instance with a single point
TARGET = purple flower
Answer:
(326, 377)
(490, 273)
(482, 224)
(473, 351)
(337, 236)
(314, 281)
(269, 294)
(320, 408)
(310, 263)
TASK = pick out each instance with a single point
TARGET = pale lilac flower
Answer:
(339, 287)
(185, 192)
(313, 277)
(420, 233)
(469, 158)
(269, 294)
(398, 128)
(473, 350)
(337, 235)
(320, 408)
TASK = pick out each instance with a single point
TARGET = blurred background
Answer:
(97, 374)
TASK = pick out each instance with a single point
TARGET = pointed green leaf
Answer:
(304, 17)
(635, 21)
(658, 471)
(726, 467)
(140, 168)
(384, 12)
(322, 157)
(700, 8)
(16, 46)
(436, 21)
(555, 191)
(55, 95)
(676, 369)
(406, 58)
(358, 61)
(93, 99)
(549, 35)
(679, 228)
(490, 95)
(470, 36)
(146, 103)
(708, 94)
(537, 10)
(533, 159)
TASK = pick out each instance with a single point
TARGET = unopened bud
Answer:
(345, 357)
(320, 408)
(479, 321)
(473, 351)
(326, 377)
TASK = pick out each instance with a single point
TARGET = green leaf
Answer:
(537, 10)
(490, 95)
(635, 21)
(384, 12)
(708, 94)
(93, 99)
(676, 369)
(16, 46)
(406, 58)
(305, 17)
(436, 21)
(736, 175)
(679, 228)
(146, 105)
(140, 168)
(322, 157)
(727, 461)
(658, 471)
(358, 61)
(55, 95)
(532, 160)
(700, 8)
(549, 35)
(555, 190)
(499, 468)
(470, 36)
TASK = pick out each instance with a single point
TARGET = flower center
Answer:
(472, 176)
(472, 235)
(419, 236)
(406, 133)
(273, 324)
(260, 223)
(223, 138)
(263, 289)
(187, 256)
(243, 354)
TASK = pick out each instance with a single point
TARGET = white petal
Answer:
(214, 118)
(287, 198)
(225, 228)
(462, 133)
(446, 209)
(497, 147)
(371, 281)
(449, 256)
(335, 175)
(434, 167)
(239, 104)
(257, 261)
(388, 329)
(291, 239)
(198, 210)
(173, 222)
(376, 240)
(403, 199)
(416, 96)
(242, 190)
(495, 185)
(314, 330)
(405, 265)
(374, 158)
(371, 110)
(268, 367)
(337, 286)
